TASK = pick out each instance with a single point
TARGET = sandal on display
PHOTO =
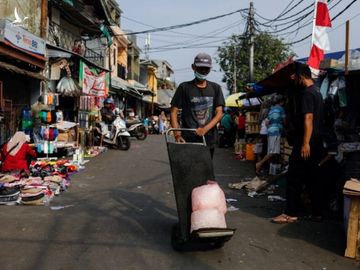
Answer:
(283, 219)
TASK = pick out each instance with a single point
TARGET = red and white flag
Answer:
(320, 39)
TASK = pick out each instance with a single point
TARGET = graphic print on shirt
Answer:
(202, 109)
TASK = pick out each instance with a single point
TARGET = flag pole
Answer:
(314, 24)
(347, 42)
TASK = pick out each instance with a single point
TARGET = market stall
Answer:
(339, 87)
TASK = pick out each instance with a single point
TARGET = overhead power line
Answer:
(334, 18)
(308, 22)
(293, 19)
(175, 32)
(210, 35)
(285, 11)
(341, 12)
(161, 29)
(286, 18)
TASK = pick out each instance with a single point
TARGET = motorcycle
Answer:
(118, 136)
(137, 129)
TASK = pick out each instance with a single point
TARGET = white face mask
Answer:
(199, 76)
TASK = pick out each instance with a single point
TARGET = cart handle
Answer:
(167, 135)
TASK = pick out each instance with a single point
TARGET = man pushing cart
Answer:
(200, 103)
(191, 168)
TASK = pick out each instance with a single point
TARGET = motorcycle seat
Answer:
(132, 122)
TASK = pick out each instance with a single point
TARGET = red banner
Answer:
(94, 83)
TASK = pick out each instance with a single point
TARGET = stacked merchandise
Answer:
(46, 139)
(51, 99)
(47, 142)
(27, 122)
(8, 195)
(46, 179)
(87, 105)
(252, 123)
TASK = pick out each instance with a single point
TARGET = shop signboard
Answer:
(21, 39)
(94, 82)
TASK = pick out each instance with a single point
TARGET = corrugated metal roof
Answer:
(15, 69)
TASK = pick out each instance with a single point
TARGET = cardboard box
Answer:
(63, 137)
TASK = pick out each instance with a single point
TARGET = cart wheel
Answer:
(216, 245)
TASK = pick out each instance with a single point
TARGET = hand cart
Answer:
(191, 166)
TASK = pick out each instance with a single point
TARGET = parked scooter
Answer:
(118, 136)
(137, 129)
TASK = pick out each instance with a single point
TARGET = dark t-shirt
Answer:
(107, 115)
(310, 102)
(198, 105)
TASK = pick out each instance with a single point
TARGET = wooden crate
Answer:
(353, 230)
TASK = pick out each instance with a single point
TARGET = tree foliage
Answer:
(268, 52)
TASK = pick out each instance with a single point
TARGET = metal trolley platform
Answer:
(191, 166)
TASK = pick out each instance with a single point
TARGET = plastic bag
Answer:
(207, 218)
(208, 196)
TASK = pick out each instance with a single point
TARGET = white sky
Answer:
(161, 13)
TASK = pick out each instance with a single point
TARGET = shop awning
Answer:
(150, 99)
(278, 81)
(119, 84)
(15, 69)
(53, 51)
(50, 53)
(235, 101)
(141, 88)
(124, 86)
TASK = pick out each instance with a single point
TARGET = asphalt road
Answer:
(120, 212)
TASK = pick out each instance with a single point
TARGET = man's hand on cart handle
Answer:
(201, 131)
(179, 138)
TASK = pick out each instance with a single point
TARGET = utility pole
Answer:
(251, 29)
(234, 79)
(147, 46)
(43, 18)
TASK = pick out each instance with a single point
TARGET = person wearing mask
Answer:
(201, 103)
(15, 153)
(308, 151)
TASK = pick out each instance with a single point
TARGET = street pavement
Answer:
(120, 210)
